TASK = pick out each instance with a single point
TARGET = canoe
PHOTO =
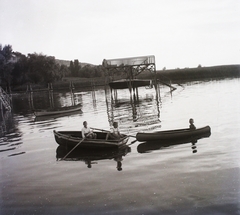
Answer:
(172, 134)
(146, 147)
(124, 83)
(62, 110)
(72, 138)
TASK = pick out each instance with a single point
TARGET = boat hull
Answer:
(125, 84)
(72, 138)
(173, 134)
(149, 146)
(57, 112)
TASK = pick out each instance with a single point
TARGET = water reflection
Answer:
(41, 100)
(7, 124)
(147, 147)
(140, 111)
(91, 156)
(10, 142)
(175, 185)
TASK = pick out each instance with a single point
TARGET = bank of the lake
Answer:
(200, 73)
(173, 75)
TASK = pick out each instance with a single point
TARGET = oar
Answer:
(132, 142)
(99, 129)
(132, 136)
(73, 149)
(109, 131)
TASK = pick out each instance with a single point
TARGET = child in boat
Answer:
(87, 132)
(114, 132)
(191, 126)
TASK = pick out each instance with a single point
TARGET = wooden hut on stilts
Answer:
(131, 68)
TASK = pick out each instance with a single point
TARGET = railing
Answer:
(130, 61)
(166, 81)
(5, 99)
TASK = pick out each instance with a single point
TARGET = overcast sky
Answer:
(180, 33)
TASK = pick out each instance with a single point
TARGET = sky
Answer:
(179, 33)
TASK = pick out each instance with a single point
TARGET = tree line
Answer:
(19, 69)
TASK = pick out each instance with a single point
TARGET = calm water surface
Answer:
(171, 180)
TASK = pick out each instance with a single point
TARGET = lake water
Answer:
(171, 180)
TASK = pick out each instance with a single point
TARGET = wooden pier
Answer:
(5, 107)
(5, 100)
(131, 68)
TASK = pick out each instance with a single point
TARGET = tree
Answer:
(42, 68)
(17, 69)
(6, 65)
(99, 71)
(75, 68)
(20, 69)
(63, 71)
(71, 68)
(87, 71)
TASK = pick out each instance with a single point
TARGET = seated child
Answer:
(191, 126)
(87, 132)
(114, 132)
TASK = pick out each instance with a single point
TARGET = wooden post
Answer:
(111, 94)
(1, 106)
(30, 96)
(2, 121)
(71, 86)
(50, 95)
(115, 94)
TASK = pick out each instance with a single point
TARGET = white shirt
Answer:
(85, 131)
(114, 130)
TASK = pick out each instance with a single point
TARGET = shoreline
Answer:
(172, 75)
(214, 72)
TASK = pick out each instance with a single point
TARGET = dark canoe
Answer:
(63, 110)
(72, 138)
(125, 83)
(173, 134)
(149, 146)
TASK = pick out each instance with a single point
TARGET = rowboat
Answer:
(55, 116)
(173, 134)
(62, 110)
(72, 138)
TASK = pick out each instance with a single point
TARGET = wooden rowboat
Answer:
(173, 134)
(62, 110)
(72, 138)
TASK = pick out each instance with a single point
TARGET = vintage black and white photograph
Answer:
(124, 107)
